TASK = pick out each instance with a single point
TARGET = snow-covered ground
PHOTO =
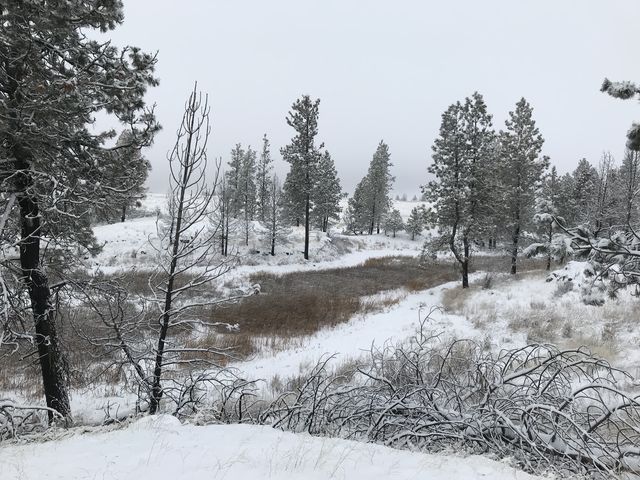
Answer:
(509, 314)
(538, 307)
(130, 244)
(160, 448)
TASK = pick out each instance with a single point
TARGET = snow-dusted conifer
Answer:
(585, 191)
(247, 190)
(357, 219)
(54, 80)
(415, 222)
(392, 222)
(234, 180)
(263, 180)
(327, 193)
(375, 187)
(274, 223)
(628, 187)
(625, 90)
(132, 170)
(460, 192)
(546, 217)
(380, 183)
(522, 169)
(303, 156)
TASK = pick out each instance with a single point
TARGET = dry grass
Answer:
(301, 303)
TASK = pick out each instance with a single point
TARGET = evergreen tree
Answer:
(546, 217)
(460, 193)
(234, 180)
(265, 165)
(379, 183)
(522, 168)
(130, 172)
(566, 207)
(247, 190)
(393, 222)
(327, 193)
(357, 217)
(54, 80)
(625, 91)
(273, 222)
(293, 204)
(415, 222)
(375, 189)
(585, 193)
(303, 156)
(628, 187)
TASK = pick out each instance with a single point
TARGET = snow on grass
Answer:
(160, 448)
(529, 308)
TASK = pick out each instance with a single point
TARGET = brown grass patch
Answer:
(302, 303)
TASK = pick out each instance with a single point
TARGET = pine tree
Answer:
(522, 168)
(375, 190)
(131, 171)
(303, 156)
(460, 193)
(585, 191)
(625, 91)
(380, 182)
(273, 222)
(415, 222)
(393, 222)
(53, 81)
(357, 217)
(566, 208)
(247, 190)
(234, 180)
(546, 217)
(264, 181)
(327, 193)
(629, 186)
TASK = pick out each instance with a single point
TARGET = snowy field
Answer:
(160, 448)
(503, 314)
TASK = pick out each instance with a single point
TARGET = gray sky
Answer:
(387, 70)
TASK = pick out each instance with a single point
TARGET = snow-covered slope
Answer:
(159, 448)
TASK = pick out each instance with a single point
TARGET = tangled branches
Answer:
(548, 409)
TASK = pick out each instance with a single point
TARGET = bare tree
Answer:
(190, 263)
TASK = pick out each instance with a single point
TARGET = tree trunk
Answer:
(549, 238)
(52, 361)
(307, 211)
(465, 264)
(274, 225)
(123, 216)
(514, 250)
(373, 220)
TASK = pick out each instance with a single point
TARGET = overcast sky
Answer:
(387, 70)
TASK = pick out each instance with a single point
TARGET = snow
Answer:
(129, 244)
(161, 448)
(351, 340)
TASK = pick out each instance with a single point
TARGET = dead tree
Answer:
(188, 253)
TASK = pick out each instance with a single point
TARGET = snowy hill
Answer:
(160, 448)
